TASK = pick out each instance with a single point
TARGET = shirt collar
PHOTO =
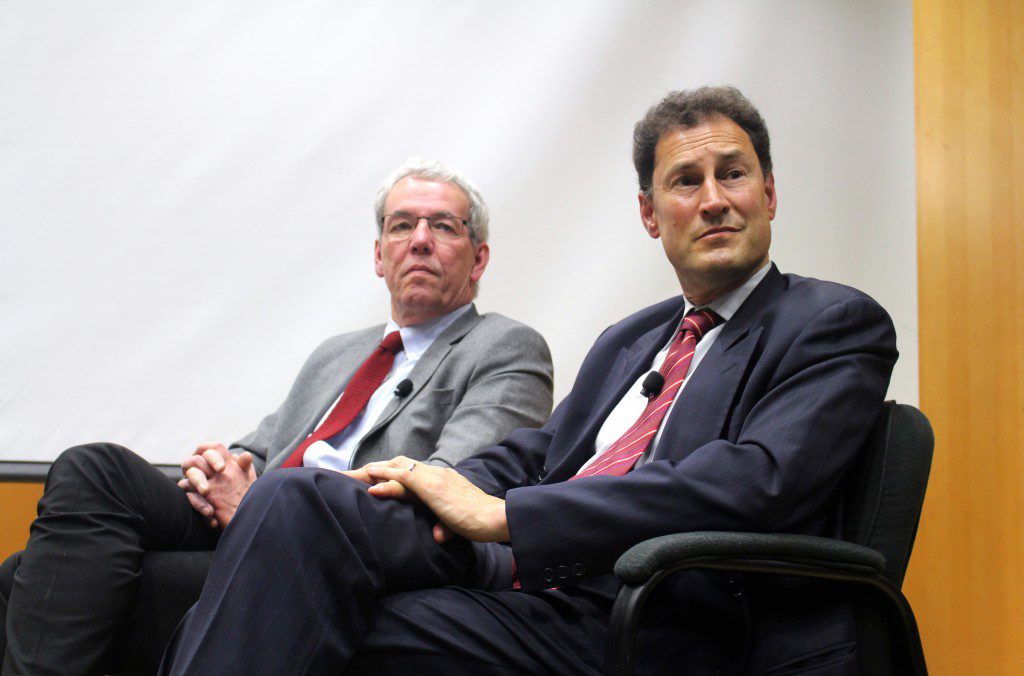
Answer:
(727, 304)
(417, 338)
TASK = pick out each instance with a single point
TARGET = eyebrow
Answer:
(436, 214)
(732, 155)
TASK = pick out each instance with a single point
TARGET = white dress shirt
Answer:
(336, 452)
(632, 404)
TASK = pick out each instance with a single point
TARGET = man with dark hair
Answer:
(767, 387)
(684, 109)
(437, 382)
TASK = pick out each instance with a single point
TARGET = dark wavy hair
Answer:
(688, 108)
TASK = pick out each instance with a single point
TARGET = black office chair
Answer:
(882, 507)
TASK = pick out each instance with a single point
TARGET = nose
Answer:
(422, 239)
(713, 203)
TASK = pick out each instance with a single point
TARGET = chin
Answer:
(719, 267)
(420, 302)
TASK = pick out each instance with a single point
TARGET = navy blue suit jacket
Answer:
(759, 440)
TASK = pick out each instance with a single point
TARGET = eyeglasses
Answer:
(400, 225)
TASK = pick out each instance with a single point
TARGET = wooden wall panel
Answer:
(966, 579)
(18, 507)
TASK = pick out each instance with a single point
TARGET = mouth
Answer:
(420, 269)
(722, 230)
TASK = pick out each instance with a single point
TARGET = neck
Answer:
(703, 296)
(405, 319)
(700, 293)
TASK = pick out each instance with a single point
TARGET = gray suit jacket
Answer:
(483, 377)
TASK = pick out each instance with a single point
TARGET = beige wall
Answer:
(966, 579)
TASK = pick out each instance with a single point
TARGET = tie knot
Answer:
(392, 342)
(699, 322)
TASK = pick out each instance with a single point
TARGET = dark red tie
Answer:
(353, 400)
(627, 449)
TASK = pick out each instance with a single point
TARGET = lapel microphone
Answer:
(405, 387)
(652, 384)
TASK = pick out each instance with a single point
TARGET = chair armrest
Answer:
(777, 552)
(643, 566)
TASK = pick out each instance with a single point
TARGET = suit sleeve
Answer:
(520, 459)
(790, 452)
(259, 441)
(256, 441)
(510, 387)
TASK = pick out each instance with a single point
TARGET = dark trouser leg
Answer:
(103, 507)
(457, 631)
(298, 576)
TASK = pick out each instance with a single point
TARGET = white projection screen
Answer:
(186, 187)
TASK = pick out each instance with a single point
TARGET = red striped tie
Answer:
(357, 393)
(627, 449)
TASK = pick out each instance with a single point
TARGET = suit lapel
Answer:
(337, 376)
(700, 411)
(629, 364)
(426, 366)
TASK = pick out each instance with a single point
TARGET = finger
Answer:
(208, 445)
(391, 482)
(200, 504)
(359, 475)
(395, 462)
(399, 461)
(185, 485)
(442, 533)
(199, 462)
(389, 489)
(244, 460)
(198, 480)
(403, 473)
(215, 459)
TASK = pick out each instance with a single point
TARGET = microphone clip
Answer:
(403, 389)
(652, 384)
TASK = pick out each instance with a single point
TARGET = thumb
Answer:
(442, 533)
(244, 460)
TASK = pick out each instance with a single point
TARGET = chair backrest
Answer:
(885, 492)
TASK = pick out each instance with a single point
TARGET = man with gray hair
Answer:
(437, 382)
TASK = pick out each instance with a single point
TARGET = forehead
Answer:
(424, 196)
(712, 138)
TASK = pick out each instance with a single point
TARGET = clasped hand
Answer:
(215, 481)
(462, 508)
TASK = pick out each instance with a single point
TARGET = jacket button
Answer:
(563, 572)
(578, 569)
(548, 574)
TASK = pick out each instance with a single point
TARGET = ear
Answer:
(483, 255)
(647, 215)
(769, 191)
(378, 264)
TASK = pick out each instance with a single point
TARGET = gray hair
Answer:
(431, 170)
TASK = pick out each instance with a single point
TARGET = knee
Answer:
(274, 486)
(79, 459)
(302, 488)
(87, 465)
